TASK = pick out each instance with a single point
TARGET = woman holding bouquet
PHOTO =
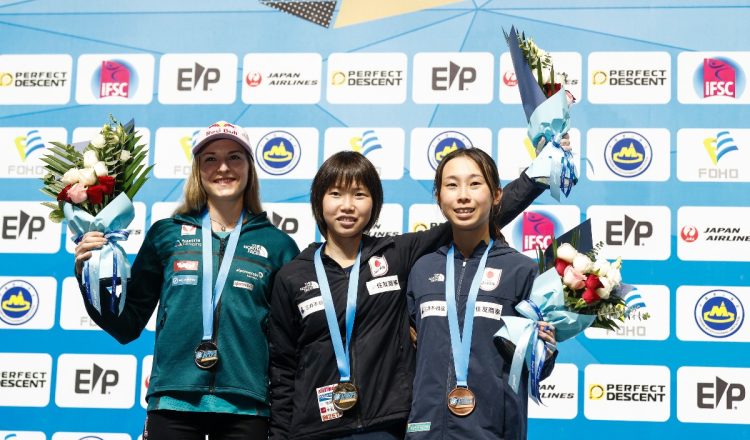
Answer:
(457, 297)
(341, 357)
(210, 268)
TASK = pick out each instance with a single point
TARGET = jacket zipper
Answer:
(451, 367)
(212, 383)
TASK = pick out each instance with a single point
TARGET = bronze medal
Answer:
(206, 355)
(345, 396)
(461, 401)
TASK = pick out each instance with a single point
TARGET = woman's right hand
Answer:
(90, 241)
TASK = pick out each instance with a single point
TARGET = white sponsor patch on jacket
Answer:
(490, 279)
(433, 308)
(483, 309)
(257, 249)
(187, 230)
(243, 285)
(385, 284)
(311, 305)
(378, 266)
(310, 285)
(325, 403)
(437, 278)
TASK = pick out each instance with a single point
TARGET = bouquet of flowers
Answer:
(574, 291)
(547, 107)
(93, 184)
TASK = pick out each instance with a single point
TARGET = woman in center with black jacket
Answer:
(342, 362)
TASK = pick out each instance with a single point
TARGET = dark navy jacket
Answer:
(500, 413)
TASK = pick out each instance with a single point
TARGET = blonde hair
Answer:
(194, 198)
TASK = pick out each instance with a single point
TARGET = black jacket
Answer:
(381, 354)
(500, 413)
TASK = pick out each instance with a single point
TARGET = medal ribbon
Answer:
(462, 346)
(209, 301)
(341, 352)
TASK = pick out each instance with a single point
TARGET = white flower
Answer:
(601, 267)
(618, 263)
(566, 252)
(88, 177)
(100, 168)
(98, 141)
(71, 176)
(606, 288)
(90, 158)
(582, 263)
(124, 155)
(614, 276)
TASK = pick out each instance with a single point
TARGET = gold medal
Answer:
(461, 401)
(345, 396)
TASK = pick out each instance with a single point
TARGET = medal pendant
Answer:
(461, 401)
(206, 355)
(345, 396)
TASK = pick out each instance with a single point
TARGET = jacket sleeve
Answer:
(517, 196)
(144, 288)
(283, 337)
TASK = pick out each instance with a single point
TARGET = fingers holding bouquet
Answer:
(90, 241)
(547, 334)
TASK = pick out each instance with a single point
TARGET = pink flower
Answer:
(560, 266)
(573, 278)
(77, 193)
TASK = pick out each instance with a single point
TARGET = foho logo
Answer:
(631, 232)
(95, 381)
(627, 392)
(367, 78)
(648, 318)
(637, 154)
(27, 146)
(173, 156)
(713, 155)
(35, 79)
(515, 152)
(559, 392)
(629, 77)
(25, 228)
(713, 233)
(568, 62)
(281, 78)
(715, 313)
(430, 145)
(198, 78)
(384, 147)
(713, 77)
(713, 395)
(453, 78)
(286, 153)
(25, 379)
(115, 79)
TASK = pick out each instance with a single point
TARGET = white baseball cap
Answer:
(222, 130)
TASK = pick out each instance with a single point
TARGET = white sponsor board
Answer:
(712, 313)
(629, 77)
(95, 381)
(713, 233)
(627, 392)
(25, 379)
(559, 393)
(453, 78)
(713, 395)
(383, 146)
(631, 232)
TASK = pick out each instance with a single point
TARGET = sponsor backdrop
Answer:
(659, 139)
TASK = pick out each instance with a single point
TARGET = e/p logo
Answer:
(710, 394)
(455, 73)
(23, 226)
(187, 78)
(620, 232)
(95, 380)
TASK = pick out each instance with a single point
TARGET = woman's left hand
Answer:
(547, 334)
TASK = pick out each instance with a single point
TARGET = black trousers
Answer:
(187, 425)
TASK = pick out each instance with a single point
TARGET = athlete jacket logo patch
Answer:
(187, 230)
(490, 279)
(437, 278)
(310, 285)
(378, 266)
(257, 249)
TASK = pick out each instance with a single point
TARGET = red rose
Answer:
(63, 196)
(590, 296)
(560, 266)
(95, 193)
(109, 184)
(592, 282)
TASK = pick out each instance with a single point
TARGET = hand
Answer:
(413, 336)
(547, 334)
(90, 241)
(565, 142)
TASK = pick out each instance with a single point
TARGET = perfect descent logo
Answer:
(35, 79)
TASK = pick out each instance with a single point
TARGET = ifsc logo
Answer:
(19, 302)
(445, 143)
(628, 154)
(114, 78)
(719, 313)
(278, 152)
(536, 230)
(719, 76)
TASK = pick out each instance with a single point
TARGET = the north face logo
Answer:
(257, 249)
(437, 278)
(310, 285)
